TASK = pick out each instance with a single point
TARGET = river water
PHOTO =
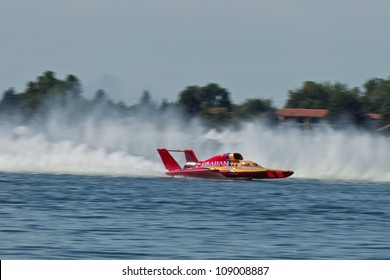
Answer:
(48, 216)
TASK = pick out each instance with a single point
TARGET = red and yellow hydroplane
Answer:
(225, 166)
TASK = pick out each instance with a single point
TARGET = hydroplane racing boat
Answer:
(227, 166)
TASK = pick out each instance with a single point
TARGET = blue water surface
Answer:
(100, 217)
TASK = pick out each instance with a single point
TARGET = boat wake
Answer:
(128, 148)
(323, 153)
(35, 153)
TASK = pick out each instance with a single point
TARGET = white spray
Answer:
(322, 153)
(127, 147)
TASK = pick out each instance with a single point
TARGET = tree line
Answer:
(210, 103)
(341, 100)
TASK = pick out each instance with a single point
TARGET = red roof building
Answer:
(374, 116)
(301, 113)
(302, 117)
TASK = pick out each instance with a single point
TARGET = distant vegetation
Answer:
(48, 94)
(341, 100)
(210, 103)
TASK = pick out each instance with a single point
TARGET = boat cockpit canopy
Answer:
(249, 164)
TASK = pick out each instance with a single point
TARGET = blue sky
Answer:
(255, 49)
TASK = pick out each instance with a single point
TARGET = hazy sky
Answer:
(254, 48)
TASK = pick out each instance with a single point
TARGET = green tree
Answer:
(311, 96)
(337, 98)
(42, 94)
(201, 99)
(377, 92)
(191, 100)
(73, 86)
(10, 102)
(385, 112)
(215, 96)
(211, 103)
(346, 102)
(254, 108)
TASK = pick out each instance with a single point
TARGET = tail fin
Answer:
(169, 162)
(190, 156)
